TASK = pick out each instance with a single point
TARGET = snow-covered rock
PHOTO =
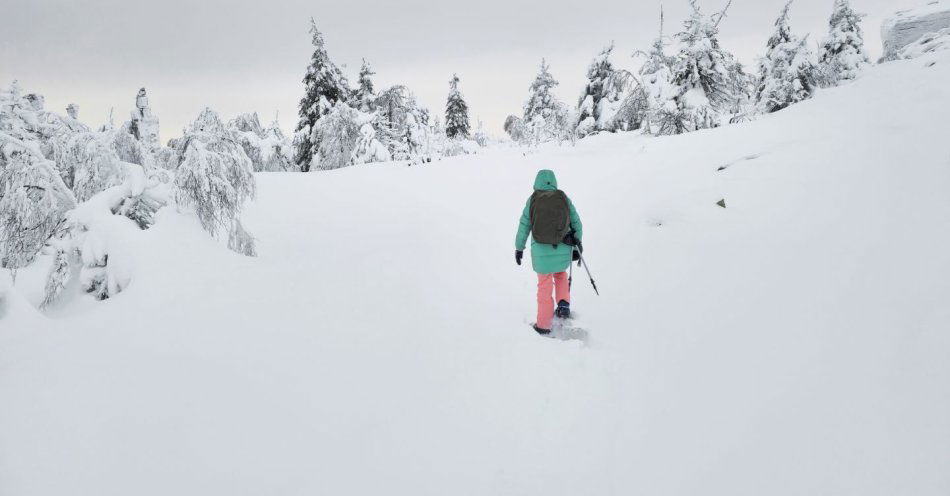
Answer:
(908, 26)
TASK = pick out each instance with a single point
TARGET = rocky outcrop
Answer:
(909, 26)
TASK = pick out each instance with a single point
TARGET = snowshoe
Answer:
(543, 332)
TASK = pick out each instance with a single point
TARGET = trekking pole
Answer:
(592, 283)
(570, 272)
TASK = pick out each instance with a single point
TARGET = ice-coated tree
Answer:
(703, 75)
(842, 54)
(456, 112)
(364, 97)
(599, 73)
(786, 72)
(215, 177)
(338, 133)
(324, 85)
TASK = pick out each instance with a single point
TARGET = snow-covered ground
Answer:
(795, 342)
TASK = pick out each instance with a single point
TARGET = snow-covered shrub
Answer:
(337, 134)
(418, 139)
(515, 129)
(88, 244)
(215, 177)
(269, 150)
(87, 162)
(632, 111)
(456, 147)
(842, 53)
(368, 148)
(129, 149)
(566, 124)
(786, 72)
(276, 149)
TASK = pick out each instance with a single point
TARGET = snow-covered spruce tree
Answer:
(541, 107)
(656, 78)
(324, 85)
(842, 53)
(364, 97)
(786, 72)
(215, 177)
(456, 112)
(588, 105)
(703, 75)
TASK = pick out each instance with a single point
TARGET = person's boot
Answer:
(543, 332)
(563, 310)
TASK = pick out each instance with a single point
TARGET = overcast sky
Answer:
(242, 56)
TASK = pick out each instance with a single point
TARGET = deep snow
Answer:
(795, 342)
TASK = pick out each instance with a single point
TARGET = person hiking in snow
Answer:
(549, 216)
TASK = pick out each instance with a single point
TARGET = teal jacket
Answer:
(546, 259)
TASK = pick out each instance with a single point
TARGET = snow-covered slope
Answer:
(795, 342)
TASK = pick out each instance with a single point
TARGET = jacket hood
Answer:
(545, 181)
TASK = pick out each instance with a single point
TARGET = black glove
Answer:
(570, 240)
(575, 255)
(518, 255)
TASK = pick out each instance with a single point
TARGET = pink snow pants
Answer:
(548, 283)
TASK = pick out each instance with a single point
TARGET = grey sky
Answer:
(242, 56)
